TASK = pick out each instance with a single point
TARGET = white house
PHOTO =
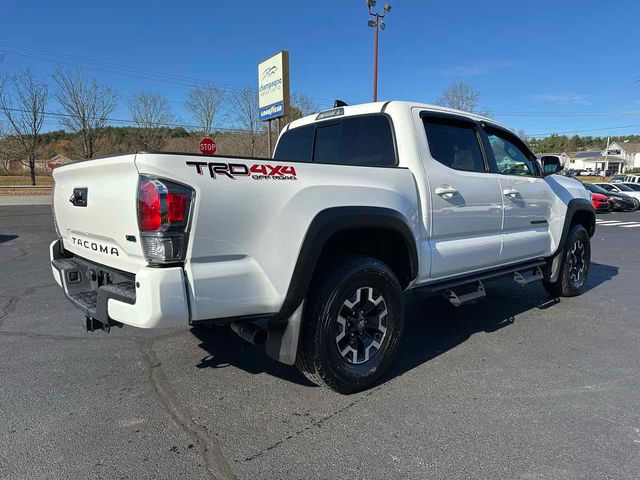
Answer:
(582, 160)
(617, 158)
(620, 156)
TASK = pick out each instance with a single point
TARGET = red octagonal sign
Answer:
(208, 146)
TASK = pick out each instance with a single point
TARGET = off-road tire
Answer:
(566, 284)
(319, 356)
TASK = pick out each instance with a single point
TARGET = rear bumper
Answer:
(152, 298)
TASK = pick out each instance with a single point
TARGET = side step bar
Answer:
(523, 281)
(523, 274)
(457, 300)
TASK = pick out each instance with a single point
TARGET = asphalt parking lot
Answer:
(515, 386)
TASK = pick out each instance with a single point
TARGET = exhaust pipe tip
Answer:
(250, 332)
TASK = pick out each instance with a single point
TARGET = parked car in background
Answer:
(620, 188)
(632, 178)
(633, 186)
(617, 179)
(619, 201)
(586, 172)
(600, 202)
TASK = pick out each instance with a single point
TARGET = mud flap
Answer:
(282, 342)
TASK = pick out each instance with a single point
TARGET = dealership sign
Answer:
(273, 86)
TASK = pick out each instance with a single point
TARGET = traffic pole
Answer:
(269, 136)
(375, 60)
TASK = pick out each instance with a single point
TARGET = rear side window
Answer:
(295, 145)
(365, 140)
(454, 144)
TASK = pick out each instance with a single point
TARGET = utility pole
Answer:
(376, 22)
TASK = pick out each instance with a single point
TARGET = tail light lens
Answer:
(163, 219)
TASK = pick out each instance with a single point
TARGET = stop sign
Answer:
(208, 146)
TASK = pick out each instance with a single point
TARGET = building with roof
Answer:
(616, 158)
(620, 156)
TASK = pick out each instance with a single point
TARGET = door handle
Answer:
(446, 191)
(510, 192)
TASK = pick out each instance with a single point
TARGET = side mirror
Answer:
(551, 165)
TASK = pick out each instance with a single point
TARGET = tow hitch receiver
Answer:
(94, 324)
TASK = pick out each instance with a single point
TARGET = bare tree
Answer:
(86, 105)
(23, 101)
(300, 106)
(461, 96)
(203, 102)
(245, 115)
(150, 112)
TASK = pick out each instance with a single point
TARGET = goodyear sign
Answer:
(273, 86)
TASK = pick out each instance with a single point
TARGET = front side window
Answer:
(608, 188)
(454, 144)
(511, 159)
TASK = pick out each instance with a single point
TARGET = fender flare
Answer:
(575, 205)
(329, 222)
(284, 328)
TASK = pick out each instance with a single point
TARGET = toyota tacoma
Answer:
(309, 252)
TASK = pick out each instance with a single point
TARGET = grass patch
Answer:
(594, 179)
(12, 180)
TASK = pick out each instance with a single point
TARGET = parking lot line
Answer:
(619, 224)
(604, 222)
(631, 226)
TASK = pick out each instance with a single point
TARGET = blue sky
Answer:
(544, 66)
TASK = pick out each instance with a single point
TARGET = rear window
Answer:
(454, 144)
(295, 145)
(327, 145)
(362, 140)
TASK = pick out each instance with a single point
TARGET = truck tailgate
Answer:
(102, 227)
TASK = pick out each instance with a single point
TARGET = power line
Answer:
(130, 122)
(118, 69)
(581, 131)
(570, 114)
(193, 127)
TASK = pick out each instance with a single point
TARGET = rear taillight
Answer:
(163, 218)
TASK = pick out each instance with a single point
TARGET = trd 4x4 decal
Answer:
(257, 171)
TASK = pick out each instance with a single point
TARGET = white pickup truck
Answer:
(309, 252)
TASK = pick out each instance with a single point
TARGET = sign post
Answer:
(273, 89)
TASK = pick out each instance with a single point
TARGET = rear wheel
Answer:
(576, 263)
(352, 324)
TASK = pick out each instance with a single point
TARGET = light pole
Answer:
(375, 21)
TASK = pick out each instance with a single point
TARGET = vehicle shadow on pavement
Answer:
(7, 238)
(433, 326)
(224, 348)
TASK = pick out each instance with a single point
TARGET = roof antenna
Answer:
(339, 103)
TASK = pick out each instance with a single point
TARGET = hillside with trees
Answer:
(563, 143)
